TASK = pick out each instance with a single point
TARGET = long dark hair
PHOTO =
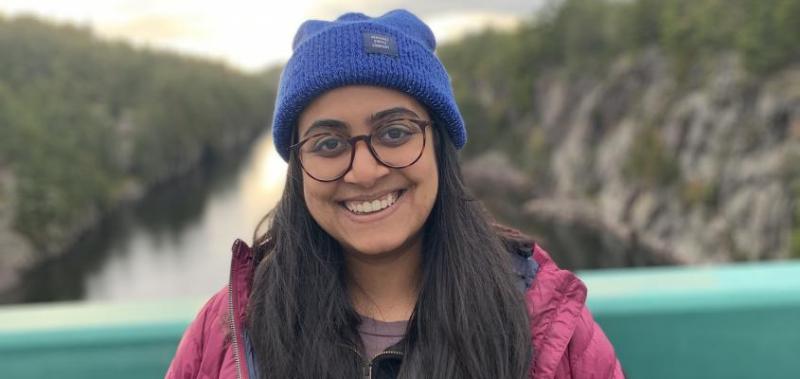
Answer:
(470, 319)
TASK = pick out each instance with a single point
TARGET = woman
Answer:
(376, 263)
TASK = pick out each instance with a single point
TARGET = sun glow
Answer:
(250, 35)
(262, 181)
(247, 34)
(272, 170)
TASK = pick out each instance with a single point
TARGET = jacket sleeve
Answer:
(188, 358)
(591, 355)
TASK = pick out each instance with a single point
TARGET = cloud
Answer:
(328, 9)
(448, 27)
(449, 19)
(154, 28)
(252, 34)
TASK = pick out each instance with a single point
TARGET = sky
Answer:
(252, 35)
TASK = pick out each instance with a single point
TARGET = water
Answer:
(174, 243)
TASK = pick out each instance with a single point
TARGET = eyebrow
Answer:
(392, 111)
(326, 123)
(342, 126)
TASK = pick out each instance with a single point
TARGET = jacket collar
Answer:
(555, 303)
(242, 270)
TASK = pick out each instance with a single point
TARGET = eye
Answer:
(394, 134)
(328, 145)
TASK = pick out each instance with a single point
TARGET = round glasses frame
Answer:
(367, 138)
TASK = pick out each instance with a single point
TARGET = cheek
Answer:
(426, 176)
(317, 197)
(433, 186)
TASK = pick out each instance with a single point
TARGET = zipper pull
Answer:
(367, 371)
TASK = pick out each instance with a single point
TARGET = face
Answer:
(346, 208)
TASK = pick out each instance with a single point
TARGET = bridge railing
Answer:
(732, 321)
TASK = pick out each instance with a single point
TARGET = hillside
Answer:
(87, 124)
(672, 126)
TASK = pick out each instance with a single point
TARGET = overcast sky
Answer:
(254, 34)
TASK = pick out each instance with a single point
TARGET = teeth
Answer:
(372, 206)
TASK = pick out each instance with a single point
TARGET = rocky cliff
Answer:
(693, 167)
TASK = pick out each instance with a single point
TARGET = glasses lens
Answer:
(398, 143)
(325, 156)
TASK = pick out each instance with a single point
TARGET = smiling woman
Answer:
(382, 190)
(376, 262)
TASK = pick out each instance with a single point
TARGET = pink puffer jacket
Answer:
(566, 340)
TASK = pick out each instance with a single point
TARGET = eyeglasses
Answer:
(327, 156)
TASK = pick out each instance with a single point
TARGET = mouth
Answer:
(373, 206)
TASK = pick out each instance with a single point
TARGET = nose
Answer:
(365, 170)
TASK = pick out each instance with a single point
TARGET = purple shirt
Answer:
(378, 335)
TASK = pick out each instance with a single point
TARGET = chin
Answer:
(379, 247)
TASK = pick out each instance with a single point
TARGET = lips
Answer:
(372, 205)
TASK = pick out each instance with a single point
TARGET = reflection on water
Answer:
(175, 243)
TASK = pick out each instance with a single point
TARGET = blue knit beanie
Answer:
(395, 51)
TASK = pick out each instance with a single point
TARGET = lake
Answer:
(175, 242)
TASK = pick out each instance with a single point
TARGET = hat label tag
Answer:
(380, 44)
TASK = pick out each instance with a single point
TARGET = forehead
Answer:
(354, 105)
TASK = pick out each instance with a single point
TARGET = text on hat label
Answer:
(380, 44)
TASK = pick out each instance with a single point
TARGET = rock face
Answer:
(574, 231)
(700, 168)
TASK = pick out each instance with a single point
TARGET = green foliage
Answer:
(769, 40)
(534, 156)
(494, 73)
(699, 193)
(485, 88)
(792, 176)
(692, 29)
(763, 32)
(79, 117)
(795, 244)
(649, 163)
(585, 35)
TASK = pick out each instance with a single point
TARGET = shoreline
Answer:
(20, 256)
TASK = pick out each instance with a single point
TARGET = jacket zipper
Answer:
(234, 339)
(366, 368)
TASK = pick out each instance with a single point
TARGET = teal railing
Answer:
(732, 321)
(91, 340)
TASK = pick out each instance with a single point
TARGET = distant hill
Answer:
(87, 123)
